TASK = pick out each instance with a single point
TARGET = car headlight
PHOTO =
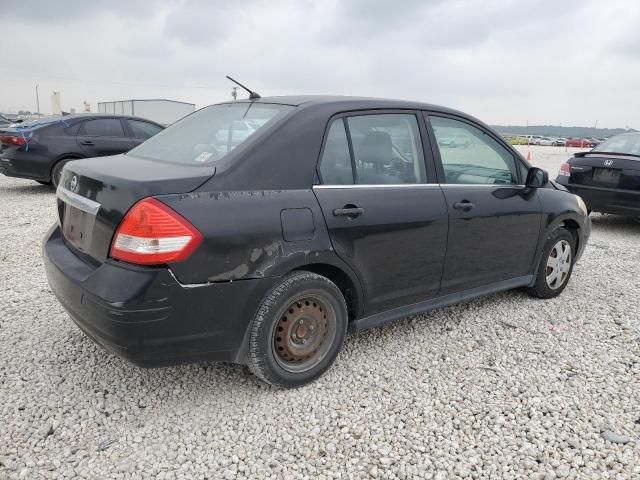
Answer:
(581, 205)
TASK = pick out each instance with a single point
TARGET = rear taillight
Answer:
(151, 233)
(565, 170)
(13, 140)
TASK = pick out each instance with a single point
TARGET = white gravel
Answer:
(503, 387)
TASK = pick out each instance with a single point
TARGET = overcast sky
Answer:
(507, 62)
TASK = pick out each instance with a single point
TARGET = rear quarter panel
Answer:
(253, 234)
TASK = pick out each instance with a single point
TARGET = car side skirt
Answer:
(388, 316)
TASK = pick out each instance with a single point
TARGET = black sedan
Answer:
(330, 214)
(607, 177)
(38, 149)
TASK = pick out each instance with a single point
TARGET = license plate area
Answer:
(607, 176)
(77, 227)
(78, 217)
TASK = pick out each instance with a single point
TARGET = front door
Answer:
(103, 136)
(384, 219)
(494, 221)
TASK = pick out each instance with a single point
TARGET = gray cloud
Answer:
(505, 61)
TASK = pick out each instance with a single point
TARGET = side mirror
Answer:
(537, 177)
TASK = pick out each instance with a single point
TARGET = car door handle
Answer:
(348, 211)
(86, 142)
(464, 205)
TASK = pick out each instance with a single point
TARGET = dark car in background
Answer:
(333, 213)
(607, 177)
(39, 149)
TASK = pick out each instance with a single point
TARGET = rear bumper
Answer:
(35, 171)
(606, 200)
(145, 315)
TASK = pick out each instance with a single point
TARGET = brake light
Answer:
(13, 140)
(565, 170)
(152, 233)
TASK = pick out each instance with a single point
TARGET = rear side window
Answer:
(470, 156)
(143, 130)
(335, 166)
(387, 149)
(103, 127)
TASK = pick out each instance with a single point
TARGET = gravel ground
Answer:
(503, 387)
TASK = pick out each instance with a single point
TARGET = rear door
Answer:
(139, 130)
(386, 216)
(494, 221)
(99, 137)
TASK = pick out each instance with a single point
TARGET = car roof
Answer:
(97, 115)
(46, 121)
(351, 102)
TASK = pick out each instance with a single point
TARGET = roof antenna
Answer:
(252, 95)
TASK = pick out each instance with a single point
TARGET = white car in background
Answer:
(544, 141)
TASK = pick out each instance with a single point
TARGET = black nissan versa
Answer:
(331, 214)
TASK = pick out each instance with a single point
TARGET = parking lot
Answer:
(503, 387)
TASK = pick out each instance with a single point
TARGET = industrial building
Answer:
(162, 111)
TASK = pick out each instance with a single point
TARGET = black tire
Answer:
(542, 289)
(56, 171)
(300, 297)
(43, 183)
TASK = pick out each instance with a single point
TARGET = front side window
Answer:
(470, 156)
(103, 127)
(209, 134)
(143, 130)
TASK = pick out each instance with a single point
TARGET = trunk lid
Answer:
(94, 195)
(605, 170)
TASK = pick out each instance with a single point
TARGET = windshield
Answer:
(209, 134)
(628, 143)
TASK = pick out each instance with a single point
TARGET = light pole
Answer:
(37, 101)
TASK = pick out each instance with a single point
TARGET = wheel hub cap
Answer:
(558, 265)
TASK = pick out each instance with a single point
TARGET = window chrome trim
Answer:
(492, 185)
(382, 185)
(404, 185)
(77, 201)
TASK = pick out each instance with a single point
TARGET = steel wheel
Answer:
(298, 330)
(558, 264)
(304, 333)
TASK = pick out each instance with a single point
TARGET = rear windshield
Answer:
(209, 134)
(628, 143)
